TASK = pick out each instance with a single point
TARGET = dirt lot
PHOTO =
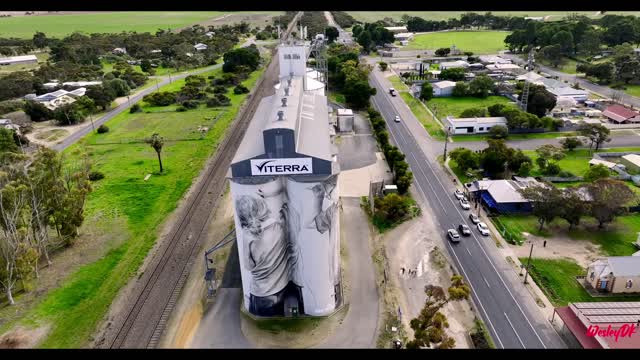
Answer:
(558, 247)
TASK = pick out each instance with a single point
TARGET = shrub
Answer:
(499, 132)
(181, 109)
(96, 175)
(135, 108)
(190, 104)
(103, 129)
(565, 174)
(240, 89)
(162, 98)
(552, 169)
(219, 89)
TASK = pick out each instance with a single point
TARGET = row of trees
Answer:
(38, 196)
(348, 76)
(371, 35)
(604, 199)
(395, 158)
(315, 21)
(498, 160)
(343, 19)
(625, 67)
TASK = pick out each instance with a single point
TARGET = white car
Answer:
(482, 227)
(453, 235)
(459, 194)
(397, 119)
(465, 204)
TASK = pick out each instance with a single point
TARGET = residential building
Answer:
(443, 88)
(631, 161)
(581, 322)
(507, 68)
(55, 99)
(531, 76)
(619, 114)
(397, 29)
(576, 94)
(614, 274)
(404, 42)
(493, 59)
(454, 64)
(119, 51)
(200, 46)
(475, 125)
(14, 60)
(502, 196)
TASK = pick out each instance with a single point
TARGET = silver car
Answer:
(458, 194)
(483, 228)
(465, 204)
(453, 235)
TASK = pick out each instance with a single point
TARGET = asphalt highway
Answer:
(502, 301)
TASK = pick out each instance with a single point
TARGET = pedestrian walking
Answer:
(544, 244)
(403, 271)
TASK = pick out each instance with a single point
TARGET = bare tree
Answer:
(13, 199)
(616, 96)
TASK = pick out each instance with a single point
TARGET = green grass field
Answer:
(106, 22)
(557, 278)
(397, 83)
(576, 161)
(454, 106)
(616, 239)
(372, 16)
(76, 307)
(432, 125)
(633, 90)
(478, 42)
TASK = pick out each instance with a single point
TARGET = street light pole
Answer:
(528, 263)
(446, 141)
(91, 118)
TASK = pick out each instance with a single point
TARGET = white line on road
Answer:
(486, 282)
(514, 330)
(468, 251)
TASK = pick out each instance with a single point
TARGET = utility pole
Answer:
(91, 118)
(446, 141)
(528, 263)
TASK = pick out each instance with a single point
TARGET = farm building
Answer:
(397, 29)
(508, 68)
(285, 195)
(14, 60)
(443, 88)
(403, 36)
(631, 161)
(578, 319)
(619, 114)
(200, 47)
(493, 59)
(576, 94)
(475, 125)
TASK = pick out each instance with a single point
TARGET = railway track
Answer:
(144, 317)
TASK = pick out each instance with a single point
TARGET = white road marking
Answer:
(486, 282)
(514, 330)
(468, 251)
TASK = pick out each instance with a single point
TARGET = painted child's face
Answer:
(255, 226)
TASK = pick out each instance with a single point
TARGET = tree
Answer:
(442, 52)
(156, 141)
(474, 112)
(118, 87)
(247, 56)
(357, 93)
(540, 100)
(590, 42)
(573, 207)
(68, 114)
(392, 207)
(145, 65)
(494, 159)
(609, 197)
(332, 33)
(102, 97)
(525, 169)
(404, 182)
(452, 74)
(597, 172)
(40, 40)
(482, 86)
(552, 53)
(37, 111)
(16, 84)
(7, 144)
(429, 327)
(564, 39)
(465, 158)
(461, 89)
(498, 132)
(426, 92)
(597, 134)
(364, 40)
(570, 143)
(383, 66)
(546, 153)
(546, 201)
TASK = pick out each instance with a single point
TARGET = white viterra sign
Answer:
(291, 166)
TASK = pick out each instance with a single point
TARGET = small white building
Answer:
(443, 88)
(403, 36)
(493, 59)
(475, 125)
(576, 94)
(404, 42)
(512, 68)
(397, 29)
(14, 60)
(631, 161)
(209, 34)
(200, 46)
(119, 51)
(454, 64)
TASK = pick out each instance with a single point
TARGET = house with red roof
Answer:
(619, 114)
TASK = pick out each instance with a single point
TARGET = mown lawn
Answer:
(454, 106)
(576, 161)
(478, 42)
(484, 137)
(397, 83)
(106, 22)
(373, 16)
(633, 90)
(616, 239)
(557, 278)
(76, 307)
(432, 125)
(337, 97)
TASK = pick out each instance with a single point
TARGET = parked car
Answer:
(392, 91)
(484, 230)
(397, 119)
(474, 218)
(453, 235)
(465, 204)
(464, 230)
(458, 194)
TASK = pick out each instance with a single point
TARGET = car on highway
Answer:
(397, 119)
(458, 194)
(465, 204)
(453, 235)
(392, 91)
(474, 218)
(464, 230)
(482, 227)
